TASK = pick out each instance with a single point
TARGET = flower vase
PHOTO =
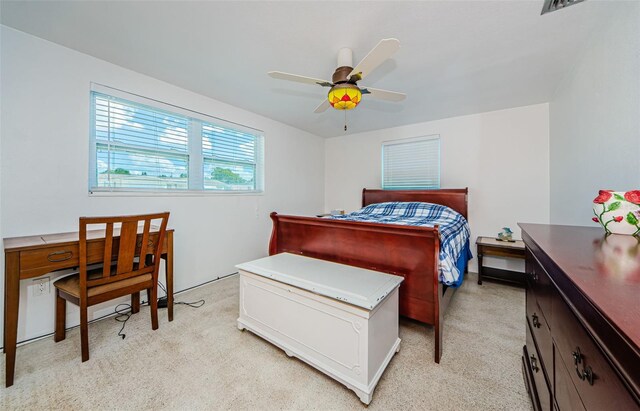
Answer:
(618, 211)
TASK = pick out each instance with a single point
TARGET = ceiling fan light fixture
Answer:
(344, 96)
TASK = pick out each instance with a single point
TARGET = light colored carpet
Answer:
(202, 361)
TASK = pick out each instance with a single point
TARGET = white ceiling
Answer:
(456, 57)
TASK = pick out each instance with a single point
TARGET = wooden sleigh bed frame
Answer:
(409, 251)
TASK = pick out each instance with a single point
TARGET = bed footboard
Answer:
(409, 251)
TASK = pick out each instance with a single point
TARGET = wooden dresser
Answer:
(582, 347)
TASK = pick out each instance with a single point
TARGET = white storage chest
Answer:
(339, 319)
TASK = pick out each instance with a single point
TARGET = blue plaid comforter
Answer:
(452, 226)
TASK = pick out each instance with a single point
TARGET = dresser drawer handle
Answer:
(586, 374)
(577, 358)
(535, 320)
(534, 363)
(59, 256)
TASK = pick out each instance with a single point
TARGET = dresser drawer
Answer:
(540, 331)
(565, 393)
(525, 372)
(539, 379)
(595, 380)
(538, 281)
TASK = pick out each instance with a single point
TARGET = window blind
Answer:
(159, 147)
(411, 164)
(230, 158)
(139, 146)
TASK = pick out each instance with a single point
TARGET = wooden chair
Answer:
(133, 268)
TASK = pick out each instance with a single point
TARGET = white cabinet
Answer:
(339, 319)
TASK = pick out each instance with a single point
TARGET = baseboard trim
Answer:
(42, 337)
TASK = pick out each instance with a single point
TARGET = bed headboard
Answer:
(455, 198)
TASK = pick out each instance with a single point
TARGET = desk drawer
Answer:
(34, 263)
(582, 358)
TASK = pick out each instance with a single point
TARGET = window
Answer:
(229, 158)
(138, 144)
(411, 164)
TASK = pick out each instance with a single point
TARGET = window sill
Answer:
(182, 193)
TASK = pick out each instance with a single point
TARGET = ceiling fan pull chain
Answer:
(345, 121)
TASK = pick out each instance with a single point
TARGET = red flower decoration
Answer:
(617, 219)
(632, 196)
(596, 219)
(603, 197)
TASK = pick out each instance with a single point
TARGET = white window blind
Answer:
(142, 147)
(411, 164)
(230, 158)
(138, 146)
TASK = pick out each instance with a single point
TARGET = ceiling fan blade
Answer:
(322, 107)
(299, 79)
(383, 94)
(382, 51)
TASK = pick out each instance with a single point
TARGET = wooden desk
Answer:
(34, 256)
(489, 246)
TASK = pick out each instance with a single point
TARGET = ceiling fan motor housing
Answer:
(341, 75)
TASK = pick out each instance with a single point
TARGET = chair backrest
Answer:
(133, 236)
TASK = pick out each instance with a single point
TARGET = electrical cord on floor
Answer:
(194, 304)
(123, 314)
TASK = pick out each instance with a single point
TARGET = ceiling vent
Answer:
(553, 5)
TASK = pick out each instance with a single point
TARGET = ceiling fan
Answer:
(345, 94)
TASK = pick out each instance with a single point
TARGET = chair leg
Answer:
(84, 332)
(153, 303)
(135, 303)
(61, 316)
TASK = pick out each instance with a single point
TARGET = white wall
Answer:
(45, 149)
(1, 166)
(595, 121)
(502, 156)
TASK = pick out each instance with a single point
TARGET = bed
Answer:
(409, 251)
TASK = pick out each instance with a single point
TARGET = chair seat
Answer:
(71, 284)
